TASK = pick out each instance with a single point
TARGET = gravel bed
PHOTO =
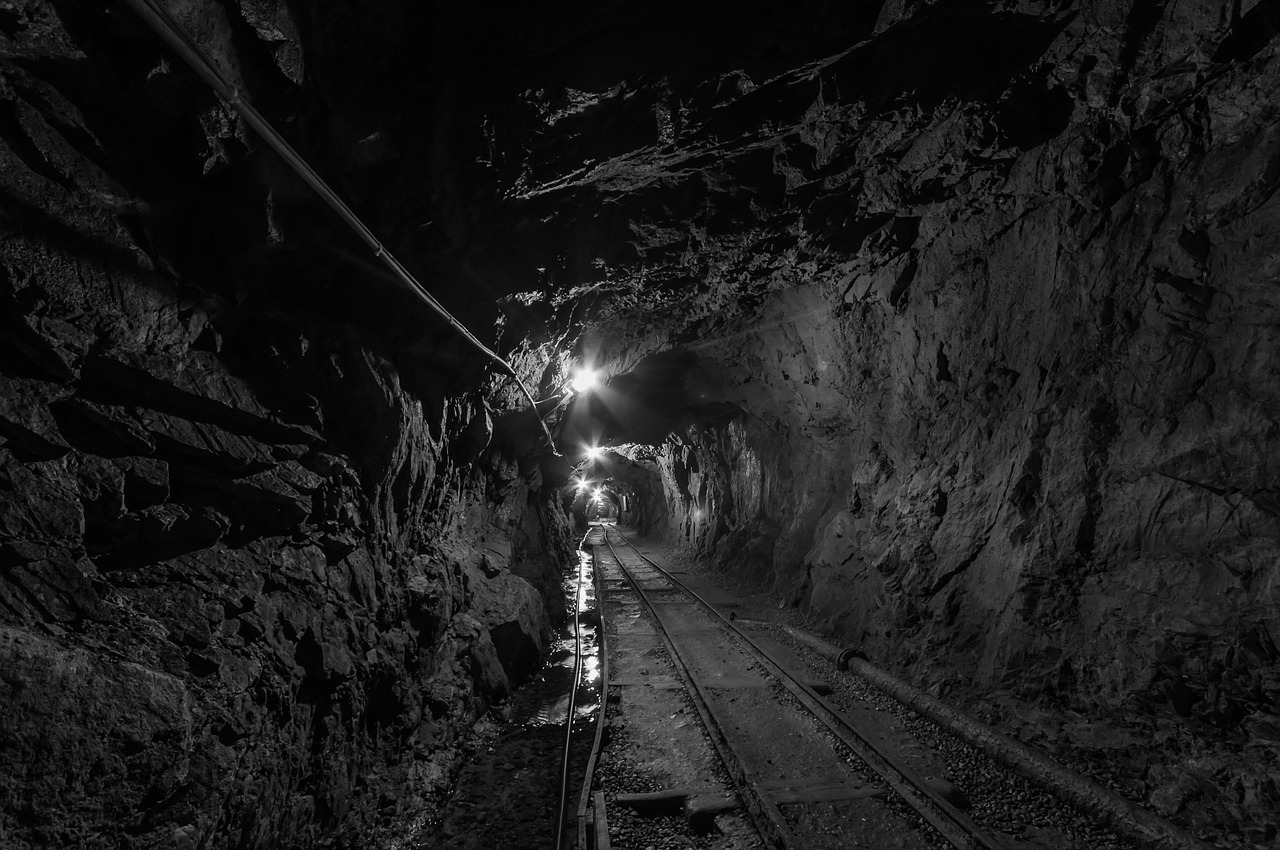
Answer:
(898, 807)
(617, 773)
(999, 799)
(892, 802)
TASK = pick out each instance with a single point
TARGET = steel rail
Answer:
(180, 41)
(765, 814)
(952, 824)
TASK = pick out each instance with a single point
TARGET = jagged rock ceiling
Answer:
(952, 322)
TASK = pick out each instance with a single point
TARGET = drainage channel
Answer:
(524, 764)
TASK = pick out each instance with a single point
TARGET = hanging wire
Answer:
(172, 33)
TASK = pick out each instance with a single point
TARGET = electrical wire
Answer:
(172, 33)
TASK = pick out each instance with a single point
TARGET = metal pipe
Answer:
(172, 33)
(824, 648)
(1124, 816)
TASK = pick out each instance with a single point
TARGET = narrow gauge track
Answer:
(774, 734)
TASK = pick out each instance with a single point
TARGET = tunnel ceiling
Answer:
(809, 182)
(681, 205)
(541, 171)
(698, 185)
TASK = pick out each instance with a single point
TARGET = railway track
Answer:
(807, 776)
(810, 772)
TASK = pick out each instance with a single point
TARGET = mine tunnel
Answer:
(358, 360)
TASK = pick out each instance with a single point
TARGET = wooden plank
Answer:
(725, 683)
(601, 822)
(700, 811)
(669, 801)
(790, 791)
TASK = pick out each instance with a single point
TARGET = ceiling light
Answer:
(584, 379)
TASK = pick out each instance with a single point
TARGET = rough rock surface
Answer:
(952, 321)
(995, 291)
(248, 589)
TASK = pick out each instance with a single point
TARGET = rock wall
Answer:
(974, 303)
(260, 566)
(995, 290)
(1035, 420)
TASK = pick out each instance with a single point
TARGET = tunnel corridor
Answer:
(946, 331)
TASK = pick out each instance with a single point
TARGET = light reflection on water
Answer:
(544, 701)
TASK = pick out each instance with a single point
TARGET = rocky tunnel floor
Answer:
(654, 742)
(506, 794)
(1113, 753)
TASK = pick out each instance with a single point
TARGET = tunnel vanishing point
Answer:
(951, 325)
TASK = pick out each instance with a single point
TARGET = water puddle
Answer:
(511, 782)
(545, 700)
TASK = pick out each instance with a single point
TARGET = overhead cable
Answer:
(172, 33)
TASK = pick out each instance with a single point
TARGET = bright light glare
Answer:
(582, 485)
(594, 453)
(584, 379)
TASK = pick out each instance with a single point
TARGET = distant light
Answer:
(582, 485)
(585, 379)
(594, 453)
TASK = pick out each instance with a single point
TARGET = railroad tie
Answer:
(819, 790)
(699, 805)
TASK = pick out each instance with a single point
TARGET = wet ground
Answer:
(508, 790)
